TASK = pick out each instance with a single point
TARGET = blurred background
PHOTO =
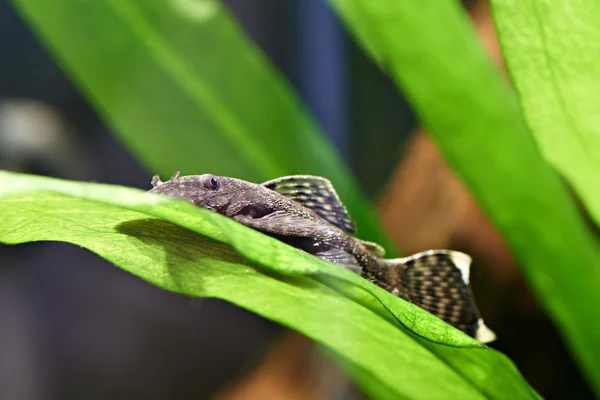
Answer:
(62, 337)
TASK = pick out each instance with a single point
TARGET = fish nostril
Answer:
(156, 182)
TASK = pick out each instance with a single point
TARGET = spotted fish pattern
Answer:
(435, 283)
(305, 211)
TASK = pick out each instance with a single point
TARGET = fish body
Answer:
(304, 211)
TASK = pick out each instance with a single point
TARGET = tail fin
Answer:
(438, 281)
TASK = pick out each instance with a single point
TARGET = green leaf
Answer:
(185, 90)
(431, 50)
(551, 51)
(392, 348)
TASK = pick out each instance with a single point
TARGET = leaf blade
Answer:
(143, 234)
(442, 69)
(549, 48)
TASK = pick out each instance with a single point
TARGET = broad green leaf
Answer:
(185, 90)
(391, 347)
(432, 51)
(551, 51)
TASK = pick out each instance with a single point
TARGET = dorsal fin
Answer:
(316, 193)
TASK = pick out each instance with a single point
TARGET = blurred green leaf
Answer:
(551, 48)
(184, 89)
(392, 348)
(432, 51)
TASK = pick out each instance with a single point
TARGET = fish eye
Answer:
(212, 183)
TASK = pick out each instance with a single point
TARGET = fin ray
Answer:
(438, 281)
(286, 224)
(316, 193)
(341, 257)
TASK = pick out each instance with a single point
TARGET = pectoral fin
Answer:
(316, 193)
(285, 224)
(303, 234)
(338, 256)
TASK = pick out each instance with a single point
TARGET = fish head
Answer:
(216, 193)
